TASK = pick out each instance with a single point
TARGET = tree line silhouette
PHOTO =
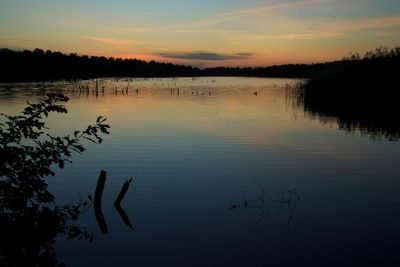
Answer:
(360, 92)
(40, 65)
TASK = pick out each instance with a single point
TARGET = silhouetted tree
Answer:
(29, 220)
(362, 93)
(38, 65)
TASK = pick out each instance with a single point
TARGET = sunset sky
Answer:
(203, 33)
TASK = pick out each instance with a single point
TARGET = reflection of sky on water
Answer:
(192, 155)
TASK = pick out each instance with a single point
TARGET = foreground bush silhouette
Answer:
(29, 219)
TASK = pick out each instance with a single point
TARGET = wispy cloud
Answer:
(308, 36)
(295, 30)
(260, 9)
(290, 36)
(233, 15)
(139, 30)
(204, 56)
(111, 41)
(213, 31)
(174, 29)
(212, 21)
(362, 24)
(18, 40)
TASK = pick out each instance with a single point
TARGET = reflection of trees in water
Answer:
(284, 200)
(29, 219)
(376, 126)
(356, 94)
(377, 118)
(27, 237)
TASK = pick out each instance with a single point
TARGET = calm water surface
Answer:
(222, 177)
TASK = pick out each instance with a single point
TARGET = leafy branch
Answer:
(27, 150)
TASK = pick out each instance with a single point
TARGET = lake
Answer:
(226, 172)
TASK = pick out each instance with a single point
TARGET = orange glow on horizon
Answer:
(232, 33)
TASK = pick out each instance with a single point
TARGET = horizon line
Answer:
(180, 64)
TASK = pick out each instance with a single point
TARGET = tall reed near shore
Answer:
(362, 93)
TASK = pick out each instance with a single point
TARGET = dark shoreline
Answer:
(360, 93)
(39, 65)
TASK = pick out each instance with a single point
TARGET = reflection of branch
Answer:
(123, 215)
(72, 213)
(98, 207)
(97, 202)
(287, 198)
(290, 201)
(117, 202)
(258, 204)
(122, 194)
(76, 232)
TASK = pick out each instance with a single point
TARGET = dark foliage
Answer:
(282, 71)
(27, 152)
(362, 93)
(39, 65)
(27, 236)
(29, 220)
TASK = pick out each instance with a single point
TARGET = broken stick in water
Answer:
(97, 202)
(123, 192)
